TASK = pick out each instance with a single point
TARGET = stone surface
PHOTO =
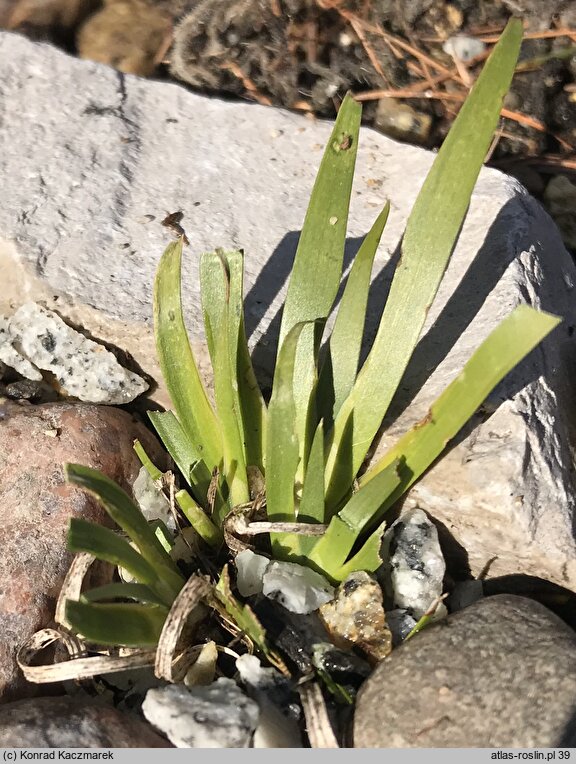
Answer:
(37, 504)
(93, 160)
(70, 723)
(250, 569)
(356, 618)
(501, 673)
(81, 368)
(217, 716)
(413, 570)
(296, 587)
(272, 692)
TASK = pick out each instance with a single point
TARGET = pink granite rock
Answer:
(37, 504)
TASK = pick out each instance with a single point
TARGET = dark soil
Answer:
(306, 54)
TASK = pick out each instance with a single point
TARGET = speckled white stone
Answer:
(297, 588)
(84, 369)
(216, 716)
(414, 567)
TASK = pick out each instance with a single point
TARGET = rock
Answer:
(70, 723)
(464, 594)
(400, 622)
(11, 357)
(81, 368)
(505, 488)
(37, 505)
(272, 692)
(131, 35)
(499, 674)
(401, 121)
(151, 500)
(414, 567)
(356, 618)
(250, 569)
(463, 47)
(217, 716)
(45, 19)
(296, 587)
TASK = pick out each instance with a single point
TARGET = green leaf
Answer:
(368, 558)
(363, 508)
(137, 592)
(221, 328)
(343, 352)
(146, 462)
(199, 520)
(252, 418)
(117, 624)
(282, 441)
(107, 545)
(162, 533)
(311, 508)
(244, 618)
(317, 266)
(505, 347)
(180, 447)
(128, 516)
(431, 233)
(177, 363)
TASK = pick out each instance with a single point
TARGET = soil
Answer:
(306, 54)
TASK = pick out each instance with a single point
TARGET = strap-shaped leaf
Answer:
(367, 558)
(180, 447)
(128, 516)
(431, 233)
(138, 592)
(505, 347)
(220, 299)
(107, 545)
(282, 441)
(146, 462)
(129, 625)
(311, 509)
(340, 366)
(362, 509)
(177, 363)
(199, 520)
(252, 408)
(317, 269)
(312, 503)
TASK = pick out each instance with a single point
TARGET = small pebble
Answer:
(414, 567)
(297, 588)
(463, 47)
(217, 716)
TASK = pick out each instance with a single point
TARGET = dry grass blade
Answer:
(318, 727)
(78, 667)
(249, 84)
(213, 489)
(72, 585)
(192, 594)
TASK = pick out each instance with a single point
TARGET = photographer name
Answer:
(56, 754)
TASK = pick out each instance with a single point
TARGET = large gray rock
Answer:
(73, 723)
(92, 161)
(501, 673)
